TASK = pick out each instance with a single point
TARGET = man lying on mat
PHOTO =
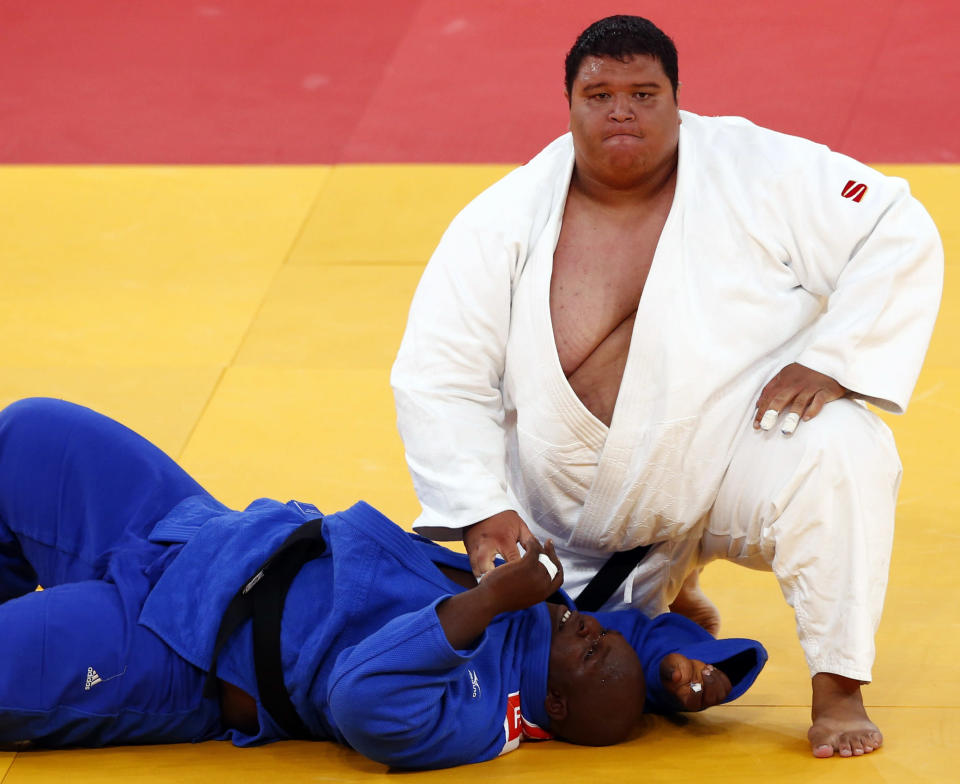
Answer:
(167, 617)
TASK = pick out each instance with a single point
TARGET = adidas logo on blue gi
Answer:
(92, 679)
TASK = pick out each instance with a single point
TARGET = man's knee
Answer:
(29, 412)
(845, 443)
(853, 440)
(842, 459)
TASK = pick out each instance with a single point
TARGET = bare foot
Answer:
(694, 604)
(840, 722)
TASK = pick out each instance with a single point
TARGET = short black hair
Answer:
(622, 37)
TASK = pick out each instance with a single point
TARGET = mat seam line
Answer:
(284, 261)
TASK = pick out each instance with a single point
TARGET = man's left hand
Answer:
(798, 392)
(694, 684)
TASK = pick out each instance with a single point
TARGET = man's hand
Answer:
(517, 585)
(801, 392)
(497, 534)
(523, 583)
(695, 685)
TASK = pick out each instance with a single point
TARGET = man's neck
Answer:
(649, 188)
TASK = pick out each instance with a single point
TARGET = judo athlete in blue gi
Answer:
(381, 642)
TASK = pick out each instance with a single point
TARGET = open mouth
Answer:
(564, 618)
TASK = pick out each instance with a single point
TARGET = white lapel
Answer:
(640, 403)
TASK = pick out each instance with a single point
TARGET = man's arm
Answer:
(517, 585)
(876, 261)
(446, 381)
(403, 696)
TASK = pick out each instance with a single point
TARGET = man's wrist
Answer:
(485, 604)
(465, 616)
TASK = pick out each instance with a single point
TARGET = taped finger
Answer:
(790, 422)
(769, 419)
(549, 565)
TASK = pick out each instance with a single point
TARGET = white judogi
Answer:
(772, 253)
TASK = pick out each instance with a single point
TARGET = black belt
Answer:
(617, 568)
(262, 598)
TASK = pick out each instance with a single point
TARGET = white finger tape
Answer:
(769, 418)
(790, 422)
(549, 565)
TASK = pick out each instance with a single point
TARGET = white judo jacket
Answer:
(775, 250)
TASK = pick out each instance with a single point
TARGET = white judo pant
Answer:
(815, 508)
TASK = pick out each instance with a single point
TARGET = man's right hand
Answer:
(497, 534)
(523, 582)
(517, 585)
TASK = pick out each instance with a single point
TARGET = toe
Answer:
(821, 742)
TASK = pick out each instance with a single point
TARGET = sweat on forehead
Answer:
(622, 37)
(601, 68)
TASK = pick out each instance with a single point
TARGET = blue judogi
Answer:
(365, 659)
(140, 562)
(79, 495)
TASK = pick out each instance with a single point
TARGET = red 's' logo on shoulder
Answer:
(853, 190)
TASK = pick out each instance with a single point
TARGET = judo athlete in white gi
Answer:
(662, 330)
(383, 640)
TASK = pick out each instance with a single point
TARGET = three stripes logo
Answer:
(92, 679)
(853, 190)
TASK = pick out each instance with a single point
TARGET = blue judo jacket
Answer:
(365, 659)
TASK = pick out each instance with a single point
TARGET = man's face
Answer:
(624, 119)
(598, 671)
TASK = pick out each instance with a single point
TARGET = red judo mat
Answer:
(332, 81)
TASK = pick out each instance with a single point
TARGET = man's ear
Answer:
(556, 705)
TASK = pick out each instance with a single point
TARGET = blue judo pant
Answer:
(79, 494)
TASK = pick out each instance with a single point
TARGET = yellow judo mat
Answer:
(245, 319)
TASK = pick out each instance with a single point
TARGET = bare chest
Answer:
(600, 268)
